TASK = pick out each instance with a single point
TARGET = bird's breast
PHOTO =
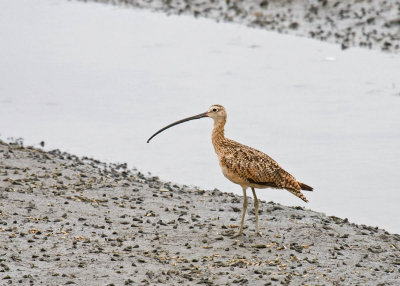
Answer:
(231, 174)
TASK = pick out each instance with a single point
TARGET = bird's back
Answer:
(249, 167)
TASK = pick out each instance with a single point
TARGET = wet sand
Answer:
(355, 23)
(66, 220)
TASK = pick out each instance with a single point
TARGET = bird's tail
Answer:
(298, 194)
(305, 187)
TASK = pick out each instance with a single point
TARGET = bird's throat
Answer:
(218, 136)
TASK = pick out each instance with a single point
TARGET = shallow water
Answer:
(99, 80)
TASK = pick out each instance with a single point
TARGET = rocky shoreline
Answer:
(361, 23)
(66, 220)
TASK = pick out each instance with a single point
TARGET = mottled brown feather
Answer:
(247, 166)
(306, 187)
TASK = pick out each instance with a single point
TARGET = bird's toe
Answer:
(239, 234)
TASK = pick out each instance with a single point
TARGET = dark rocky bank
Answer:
(362, 23)
(66, 220)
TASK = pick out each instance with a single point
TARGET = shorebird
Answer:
(244, 165)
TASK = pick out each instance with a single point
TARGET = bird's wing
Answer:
(258, 168)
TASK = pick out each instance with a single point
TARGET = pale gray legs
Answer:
(244, 211)
(256, 210)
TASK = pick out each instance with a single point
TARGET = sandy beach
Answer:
(66, 220)
(369, 24)
(71, 220)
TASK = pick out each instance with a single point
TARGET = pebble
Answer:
(367, 24)
(172, 240)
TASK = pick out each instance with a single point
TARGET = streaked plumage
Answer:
(244, 165)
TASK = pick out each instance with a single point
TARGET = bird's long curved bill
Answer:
(198, 116)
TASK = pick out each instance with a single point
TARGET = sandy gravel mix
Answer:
(66, 220)
(362, 23)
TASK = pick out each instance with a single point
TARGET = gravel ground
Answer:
(66, 220)
(363, 23)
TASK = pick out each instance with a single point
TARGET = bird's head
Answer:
(216, 112)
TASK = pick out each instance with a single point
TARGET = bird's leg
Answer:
(256, 210)
(243, 212)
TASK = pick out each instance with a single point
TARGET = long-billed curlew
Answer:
(244, 165)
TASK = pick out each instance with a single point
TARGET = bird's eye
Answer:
(214, 109)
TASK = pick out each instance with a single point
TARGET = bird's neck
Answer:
(218, 136)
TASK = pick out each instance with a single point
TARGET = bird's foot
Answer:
(257, 233)
(238, 235)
